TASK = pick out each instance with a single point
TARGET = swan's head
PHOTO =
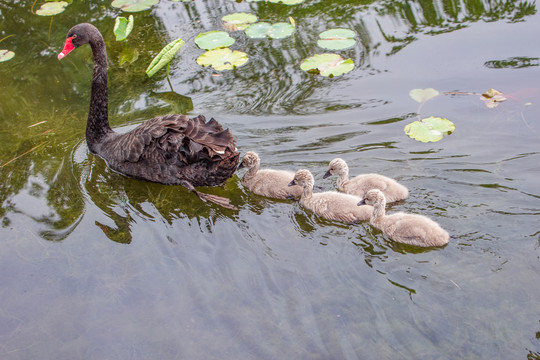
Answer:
(373, 197)
(78, 35)
(303, 178)
(250, 160)
(337, 167)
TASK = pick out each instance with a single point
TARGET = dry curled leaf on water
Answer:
(492, 98)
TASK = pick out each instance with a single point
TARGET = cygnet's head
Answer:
(337, 167)
(250, 160)
(302, 178)
(372, 197)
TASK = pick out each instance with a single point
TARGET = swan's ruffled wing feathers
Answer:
(175, 137)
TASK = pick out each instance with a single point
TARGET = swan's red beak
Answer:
(68, 47)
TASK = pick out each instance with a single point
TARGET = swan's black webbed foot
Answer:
(219, 200)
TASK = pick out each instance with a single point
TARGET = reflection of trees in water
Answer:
(271, 82)
(441, 16)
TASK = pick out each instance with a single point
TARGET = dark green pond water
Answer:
(94, 265)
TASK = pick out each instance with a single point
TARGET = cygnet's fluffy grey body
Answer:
(330, 204)
(405, 228)
(267, 182)
(359, 185)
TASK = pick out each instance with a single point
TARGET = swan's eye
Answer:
(74, 36)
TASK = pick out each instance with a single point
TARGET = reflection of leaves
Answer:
(164, 57)
(430, 129)
(134, 5)
(222, 59)
(327, 65)
(213, 39)
(52, 8)
(123, 27)
(274, 31)
(238, 21)
(337, 39)
(180, 104)
(6, 55)
(516, 62)
(422, 95)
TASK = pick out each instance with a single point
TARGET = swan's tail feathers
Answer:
(219, 200)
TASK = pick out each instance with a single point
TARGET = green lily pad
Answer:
(223, 59)
(287, 2)
(430, 129)
(6, 55)
(213, 39)
(422, 95)
(261, 30)
(327, 65)
(123, 27)
(337, 39)
(52, 8)
(238, 21)
(134, 5)
(164, 57)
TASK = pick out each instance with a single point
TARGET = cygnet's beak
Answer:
(327, 174)
(292, 183)
(362, 202)
(241, 166)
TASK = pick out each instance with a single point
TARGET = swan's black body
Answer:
(172, 149)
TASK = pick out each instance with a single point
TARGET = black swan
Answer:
(171, 149)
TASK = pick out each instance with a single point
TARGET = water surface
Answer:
(95, 265)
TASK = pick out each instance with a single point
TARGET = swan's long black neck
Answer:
(97, 126)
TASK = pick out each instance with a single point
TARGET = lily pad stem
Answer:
(5, 37)
(168, 80)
